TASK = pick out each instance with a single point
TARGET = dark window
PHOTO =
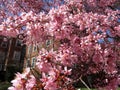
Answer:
(33, 61)
(17, 55)
(2, 56)
(18, 43)
(4, 44)
(34, 48)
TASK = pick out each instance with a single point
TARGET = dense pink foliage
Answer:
(88, 33)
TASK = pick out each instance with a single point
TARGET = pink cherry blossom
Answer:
(79, 38)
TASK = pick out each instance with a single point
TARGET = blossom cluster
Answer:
(88, 33)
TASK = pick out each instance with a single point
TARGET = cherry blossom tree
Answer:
(85, 37)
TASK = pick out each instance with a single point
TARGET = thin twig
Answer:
(85, 84)
(20, 5)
